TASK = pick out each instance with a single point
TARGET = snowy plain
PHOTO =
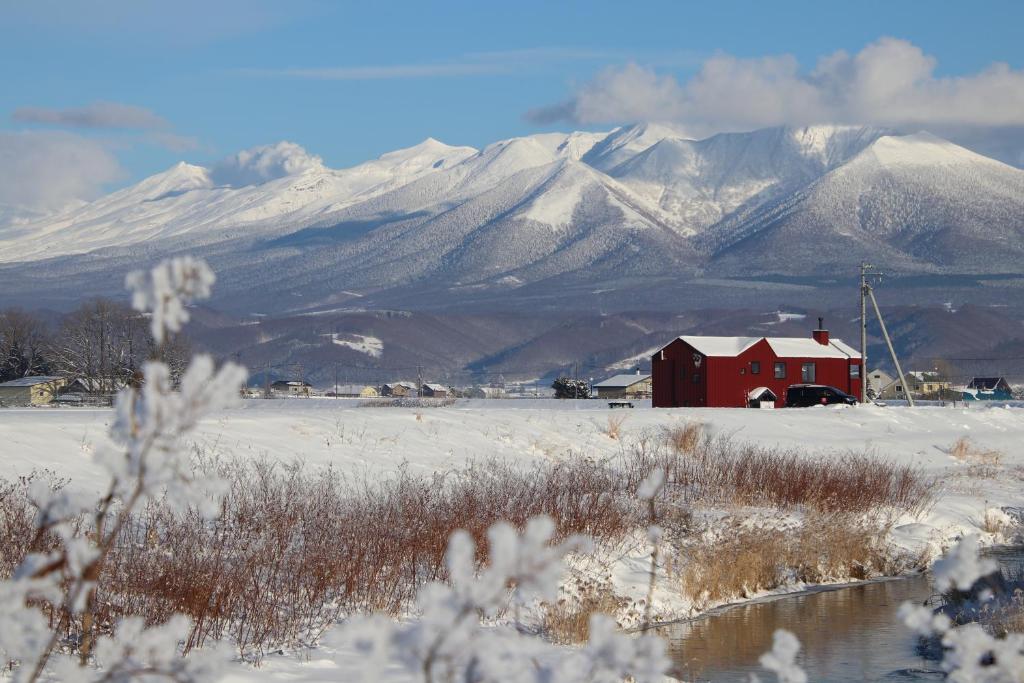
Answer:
(377, 441)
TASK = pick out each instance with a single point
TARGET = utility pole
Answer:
(335, 380)
(419, 381)
(867, 291)
(864, 332)
(888, 342)
(266, 379)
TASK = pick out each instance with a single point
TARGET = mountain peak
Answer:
(923, 149)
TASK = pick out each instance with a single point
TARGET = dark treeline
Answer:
(103, 343)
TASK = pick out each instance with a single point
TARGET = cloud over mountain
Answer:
(43, 170)
(890, 82)
(260, 164)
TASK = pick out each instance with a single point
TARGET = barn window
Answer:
(807, 373)
(696, 378)
(755, 367)
(780, 370)
(855, 371)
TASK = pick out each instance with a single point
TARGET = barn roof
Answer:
(31, 381)
(805, 347)
(619, 381)
(436, 387)
(783, 347)
(721, 346)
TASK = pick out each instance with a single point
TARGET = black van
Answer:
(806, 395)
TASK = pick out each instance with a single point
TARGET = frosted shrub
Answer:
(971, 654)
(450, 641)
(52, 593)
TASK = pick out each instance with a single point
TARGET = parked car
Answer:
(805, 395)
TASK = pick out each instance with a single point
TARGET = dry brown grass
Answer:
(568, 620)
(720, 471)
(981, 463)
(293, 550)
(614, 426)
(684, 438)
(745, 561)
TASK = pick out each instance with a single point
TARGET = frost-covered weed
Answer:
(450, 641)
(53, 590)
(971, 654)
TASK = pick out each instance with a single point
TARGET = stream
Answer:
(848, 635)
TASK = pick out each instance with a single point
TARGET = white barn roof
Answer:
(783, 347)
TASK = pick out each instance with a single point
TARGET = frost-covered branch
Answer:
(149, 427)
(450, 641)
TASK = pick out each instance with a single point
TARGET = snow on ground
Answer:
(380, 440)
(341, 433)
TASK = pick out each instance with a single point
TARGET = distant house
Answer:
(354, 391)
(30, 391)
(291, 388)
(487, 392)
(880, 381)
(398, 389)
(624, 386)
(987, 389)
(927, 384)
(435, 390)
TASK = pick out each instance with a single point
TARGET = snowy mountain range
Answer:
(541, 215)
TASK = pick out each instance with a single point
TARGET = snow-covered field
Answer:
(379, 440)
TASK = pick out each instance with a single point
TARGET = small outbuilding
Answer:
(761, 397)
(291, 388)
(624, 386)
(30, 391)
(354, 391)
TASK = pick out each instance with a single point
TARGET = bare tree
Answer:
(102, 342)
(23, 344)
(106, 343)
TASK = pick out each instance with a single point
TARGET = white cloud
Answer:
(260, 164)
(44, 170)
(95, 115)
(890, 82)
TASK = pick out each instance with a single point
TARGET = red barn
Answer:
(722, 372)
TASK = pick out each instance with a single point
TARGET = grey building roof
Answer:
(619, 381)
(31, 381)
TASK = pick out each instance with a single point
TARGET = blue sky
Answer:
(351, 80)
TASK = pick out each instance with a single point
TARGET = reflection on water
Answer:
(847, 635)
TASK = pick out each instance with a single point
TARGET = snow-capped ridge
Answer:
(924, 149)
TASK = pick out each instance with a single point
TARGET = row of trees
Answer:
(101, 342)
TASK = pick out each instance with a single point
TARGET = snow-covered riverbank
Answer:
(377, 441)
